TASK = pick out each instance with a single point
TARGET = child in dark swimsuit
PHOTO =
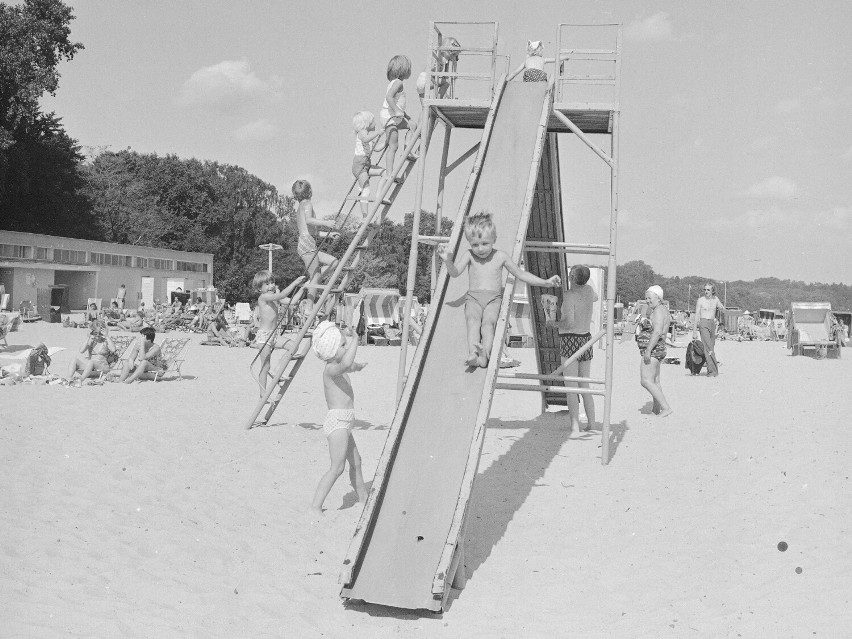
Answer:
(485, 266)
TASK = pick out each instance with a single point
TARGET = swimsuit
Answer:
(570, 343)
(385, 116)
(478, 301)
(262, 336)
(643, 336)
(338, 418)
(307, 245)
(534, 75)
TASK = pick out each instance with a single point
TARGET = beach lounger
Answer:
(122, 344)
(242, 312)
(5, 325)
(170, 351)
(810, 327)
(28, 312)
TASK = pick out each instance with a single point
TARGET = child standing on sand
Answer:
(485, 266)
(366, 134)
(267, 313)
(393, 116)
(317, 263)
(338, 352)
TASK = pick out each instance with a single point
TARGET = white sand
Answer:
(148, 511)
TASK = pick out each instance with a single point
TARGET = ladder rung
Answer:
(358, 198)
(318, 286)
(433, 239)
(362, 247)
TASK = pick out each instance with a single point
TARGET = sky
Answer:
(735, 145)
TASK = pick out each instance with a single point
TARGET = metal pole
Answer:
(425, 136)
(610, 291)
(439, 206)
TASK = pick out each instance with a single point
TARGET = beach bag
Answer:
(37, 361)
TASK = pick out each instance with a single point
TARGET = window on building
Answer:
(67, 256)
(17, 251)
(110, 259)
(163, 265)
(196, 267)
(42, 253)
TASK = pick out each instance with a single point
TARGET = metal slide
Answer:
(398, 555)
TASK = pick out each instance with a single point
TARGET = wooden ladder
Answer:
(295, 352)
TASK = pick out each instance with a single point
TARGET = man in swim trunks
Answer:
(485, 266)
(575, 320)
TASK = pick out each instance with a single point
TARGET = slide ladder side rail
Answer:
(359, 539)
(336, 283)
(451, 558)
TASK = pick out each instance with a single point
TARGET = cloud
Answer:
(759, 219)
(788, 105)
(227, 84)
(657, 27)
(258, 130)
(848, 155)
(775, 188)
(840, 218)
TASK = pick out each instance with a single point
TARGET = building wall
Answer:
(89, 276)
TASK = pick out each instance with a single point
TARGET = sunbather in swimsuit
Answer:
(643, 336)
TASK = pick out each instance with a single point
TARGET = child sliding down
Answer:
(485, 266)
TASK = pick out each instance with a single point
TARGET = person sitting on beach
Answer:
(217, 331)
(318, 264)
(650, 338)
(143, 359)
(114, 314)
(485, 266)
(338, 352)
(267, 312)
(574, 326)
(92, 313)
(95, 354)
(133, 323)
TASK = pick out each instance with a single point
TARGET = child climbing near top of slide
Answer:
(393, 116)
(317, 263)
(485, 266)
(366, 135)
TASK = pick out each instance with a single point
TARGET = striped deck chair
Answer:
(121, 343)
(381, 306)
(5, 326)
(170, 352)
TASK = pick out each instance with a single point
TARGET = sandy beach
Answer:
(148, 511)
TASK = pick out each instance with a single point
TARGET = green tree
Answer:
(38, 160)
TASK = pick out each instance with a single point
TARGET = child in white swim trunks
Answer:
(338, 352)
(485, 266)
(363, 169)
(317, 263)
(393, 116)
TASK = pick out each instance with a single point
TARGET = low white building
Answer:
(61, 271)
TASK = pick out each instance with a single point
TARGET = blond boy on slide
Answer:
(338, 350)
(485, 266)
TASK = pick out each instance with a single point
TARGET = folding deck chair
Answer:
(170, 350)
(121, 343)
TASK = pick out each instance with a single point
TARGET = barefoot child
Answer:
(366, 134)
(393, 116)
(317, 263)
(651, 340)
(338, 352)
(485, 266)
(267, 313)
